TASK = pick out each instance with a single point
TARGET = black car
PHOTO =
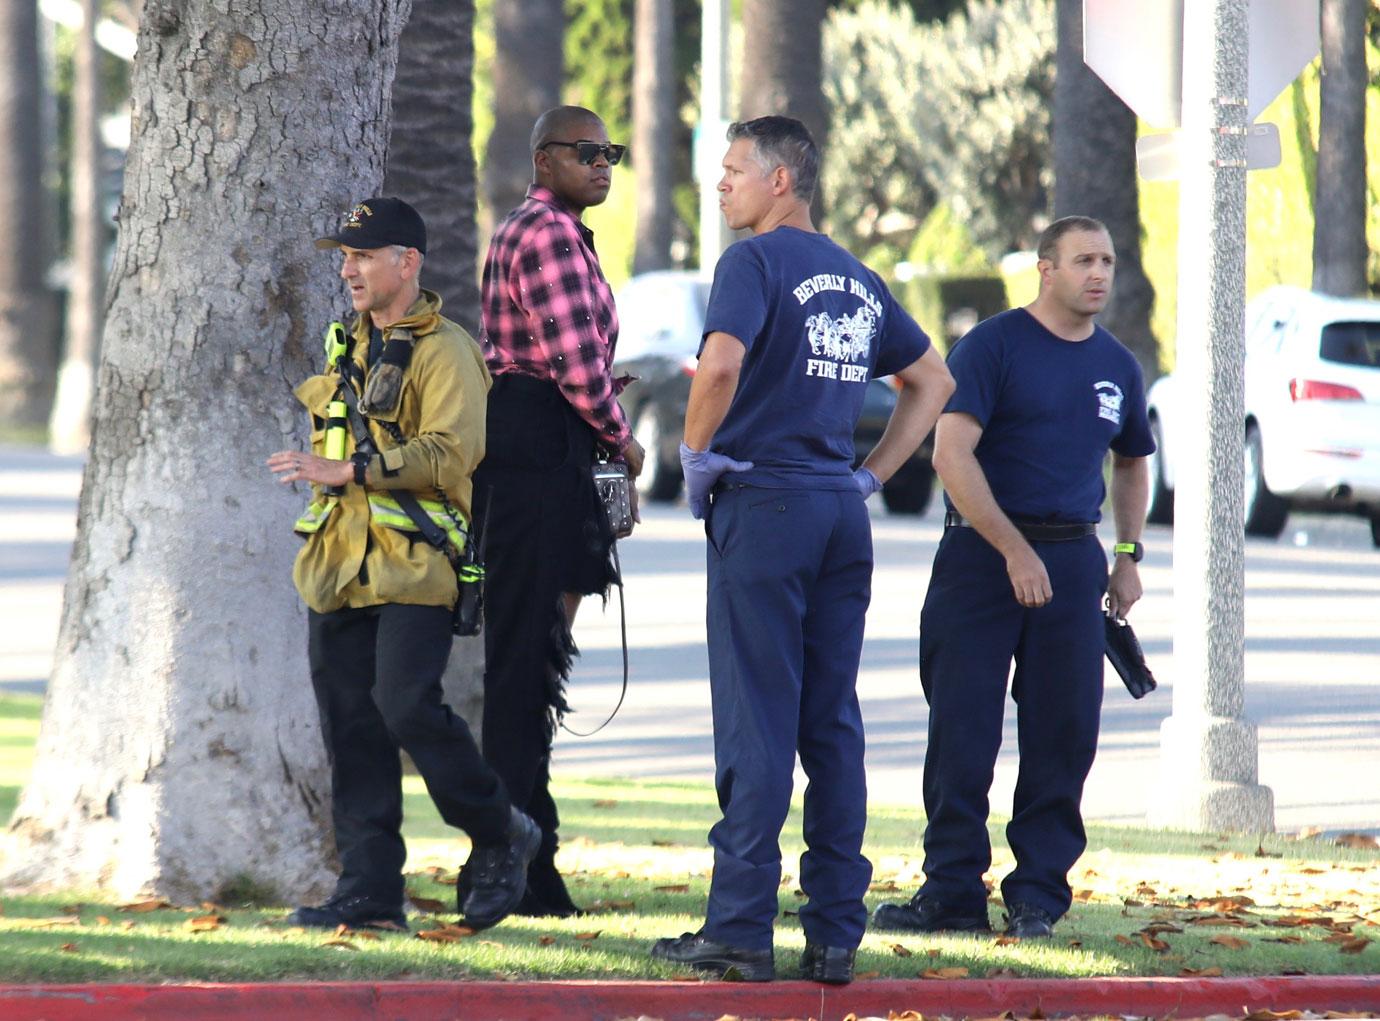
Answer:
(661, 318)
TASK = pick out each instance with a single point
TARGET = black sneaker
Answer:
(498, 874)
(720, 959)
(925, 914)
(830, 965)
(353, 912)
(1026, 921)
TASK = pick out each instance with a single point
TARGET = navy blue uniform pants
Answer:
(971, 628)
(790, 575)
(377, 676)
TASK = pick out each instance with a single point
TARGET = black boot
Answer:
(498, 874)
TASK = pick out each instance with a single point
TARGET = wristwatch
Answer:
(1134, 550)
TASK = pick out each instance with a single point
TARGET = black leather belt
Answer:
(1036, 531)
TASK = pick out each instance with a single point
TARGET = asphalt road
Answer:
(1312, 656)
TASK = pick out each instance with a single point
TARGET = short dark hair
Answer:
(559, 120)
(1049, 237)
(782, 142)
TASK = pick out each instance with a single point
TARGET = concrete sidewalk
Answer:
(1352, 996)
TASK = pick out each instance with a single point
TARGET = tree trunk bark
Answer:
(1095, 175)
(69, 428)
(654, 118)
(783, 66)
(180, 753)
(28, 342)
(431, 165)
(1339, 212)
(431, 152)
(528, 73)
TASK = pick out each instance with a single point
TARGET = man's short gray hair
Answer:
(782, 142)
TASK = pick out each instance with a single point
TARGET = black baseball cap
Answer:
(378, 223)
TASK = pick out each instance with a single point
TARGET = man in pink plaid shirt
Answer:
(548, 336)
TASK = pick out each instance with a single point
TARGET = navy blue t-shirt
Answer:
(817, 325)
(1049, 410)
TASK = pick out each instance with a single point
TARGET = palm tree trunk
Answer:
(1095, 175)
(654, 113)
(69, 429)
(1339, 212)
(527, 78)
(28, 343)
(180, 753)
(783, 66)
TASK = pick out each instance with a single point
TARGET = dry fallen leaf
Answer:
(205, 923)
(1005, 941)
(1359, 841)
(1201, 973)
(944, 973)
(1354, 946)
(901, 951)
(428, 904)
(663, 843)
(1230, 942)
(609, 905)
(1273, 1015)
(673, 888)
(45, 923)
(606, 803)
(446, 934)
(342, 944)
(588, 935)
(68, 948)
(546, 941)
(867, 975)
(1153, 943)
(142, 906)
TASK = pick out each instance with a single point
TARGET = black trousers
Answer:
(377, 676)
(544, 534)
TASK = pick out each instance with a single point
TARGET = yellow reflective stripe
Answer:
(386, 511)
(314, 516)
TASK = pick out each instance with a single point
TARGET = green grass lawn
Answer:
(1146, 903)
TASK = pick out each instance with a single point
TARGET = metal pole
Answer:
(710, 141)
(1209, 753)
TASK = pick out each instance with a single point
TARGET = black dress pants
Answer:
(376, 672)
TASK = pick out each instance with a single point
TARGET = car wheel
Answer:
(1265, 512)
(908, 491)
(659, 480)
(1161, 508)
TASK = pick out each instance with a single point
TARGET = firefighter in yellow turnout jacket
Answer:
(379, 596)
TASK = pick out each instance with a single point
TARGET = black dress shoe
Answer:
(831, 965)
(498, 874)
(1026, 921)
(925, 914)
(354, 912)
(709, 955)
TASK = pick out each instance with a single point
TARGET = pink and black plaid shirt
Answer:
(549, 312)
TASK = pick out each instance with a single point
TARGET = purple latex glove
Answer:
(702, 469)
(867, 482)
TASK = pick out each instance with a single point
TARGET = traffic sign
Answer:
(1136, 47)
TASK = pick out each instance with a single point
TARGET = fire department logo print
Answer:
(848, 338)
(1109, 398)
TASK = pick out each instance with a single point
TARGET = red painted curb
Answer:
(680, 1001)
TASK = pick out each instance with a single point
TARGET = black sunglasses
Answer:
(588, 152)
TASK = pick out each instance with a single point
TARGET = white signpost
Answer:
(1210, 66)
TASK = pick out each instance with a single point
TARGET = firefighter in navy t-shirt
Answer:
(1043, 394)
(795, 328)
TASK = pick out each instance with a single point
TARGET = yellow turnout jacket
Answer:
(361, 548)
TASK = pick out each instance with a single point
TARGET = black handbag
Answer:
(1127, 657)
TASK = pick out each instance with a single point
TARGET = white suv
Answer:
(1312, 412)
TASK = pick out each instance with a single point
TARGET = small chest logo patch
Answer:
(1109, 398)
